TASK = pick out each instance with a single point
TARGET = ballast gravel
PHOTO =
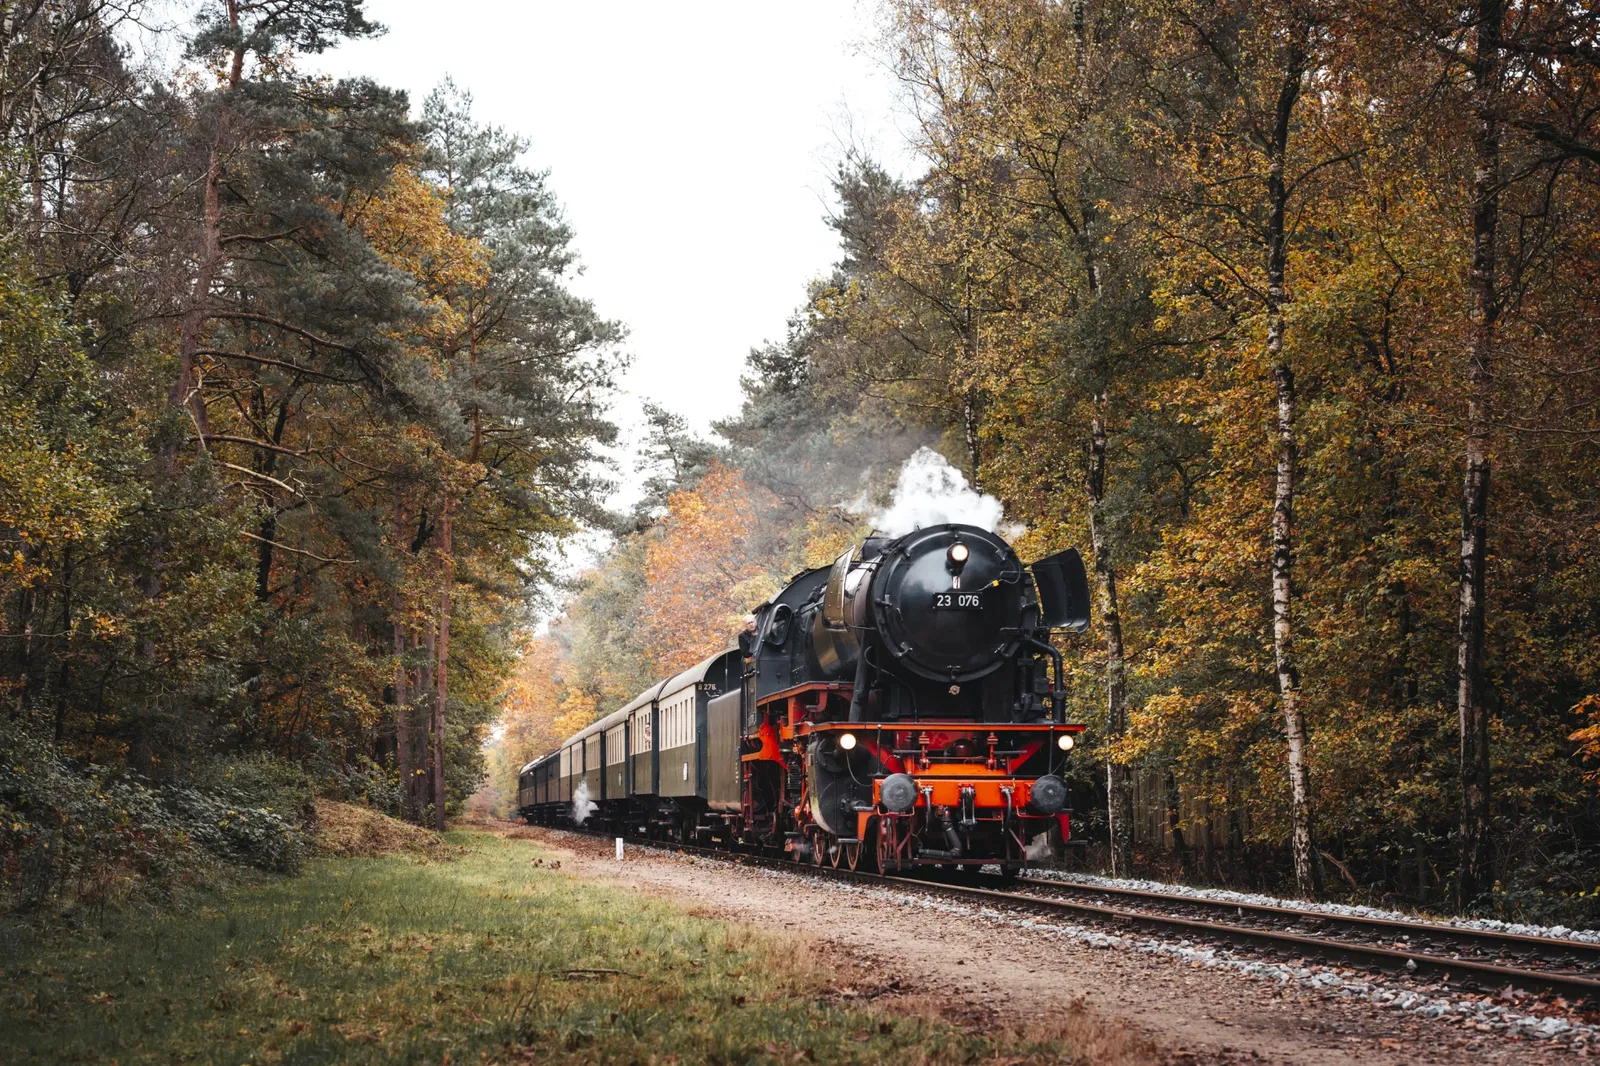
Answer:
(1482, 1013)
(1223, 895)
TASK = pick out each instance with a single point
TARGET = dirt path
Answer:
(985, 970)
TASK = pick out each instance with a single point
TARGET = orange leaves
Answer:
(705, 567)
(536, 700)
(1588, 738)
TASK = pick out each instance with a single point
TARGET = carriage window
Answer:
(677, 722)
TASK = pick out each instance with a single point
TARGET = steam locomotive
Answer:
(900, 708)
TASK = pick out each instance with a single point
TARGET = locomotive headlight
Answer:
(959, 553)
(847, 741)
(1065, 742)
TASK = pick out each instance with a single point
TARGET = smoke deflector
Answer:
(1063, 591)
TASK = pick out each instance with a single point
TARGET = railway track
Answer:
(1571, 967)
(1469, 959)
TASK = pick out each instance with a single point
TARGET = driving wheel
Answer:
(887, 833)
(835, 852)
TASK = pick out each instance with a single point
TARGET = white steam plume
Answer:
(931, 492)
(582, 806)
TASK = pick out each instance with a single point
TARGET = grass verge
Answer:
(492, 957)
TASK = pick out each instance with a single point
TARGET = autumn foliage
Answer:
(707, 563)
(664, 598)
(1295, 342)
(295, 406)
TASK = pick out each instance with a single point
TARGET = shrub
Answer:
(78, 835)
(262, 781)
(82, 834)
(229, 828)
(365, 782)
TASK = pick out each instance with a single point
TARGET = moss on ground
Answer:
(491, 957)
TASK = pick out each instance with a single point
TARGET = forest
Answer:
(298, 405)
(1284, 313)
(1295, 341)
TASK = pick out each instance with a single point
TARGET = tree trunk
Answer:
(266, 550)
(402, 716)
(971, 398)
(1307, 870)
(1119, 783)
(185, 391)
(35, 163)
(441, 671)
(1174, 802)
(64, 677)
(1119, 791)
(970, 408)
(1471, 695)
(26, 601)
(1208, 844)
(427, 695)
(1419, 845)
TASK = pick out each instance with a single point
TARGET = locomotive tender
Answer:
(900, 708)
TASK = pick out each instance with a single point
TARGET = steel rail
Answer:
(1491, 937)
(1366, 956)
(1445, 967)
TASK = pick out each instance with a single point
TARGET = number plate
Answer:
(957, 601)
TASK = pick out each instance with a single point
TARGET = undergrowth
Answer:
(79, 837)
(494, 957)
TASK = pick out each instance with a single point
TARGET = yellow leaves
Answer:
(406, 225)
(827, 534)
(103, 626)
(52, 489)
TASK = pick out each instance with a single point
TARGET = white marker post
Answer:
(619, 849)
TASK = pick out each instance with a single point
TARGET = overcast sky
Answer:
(690, 142)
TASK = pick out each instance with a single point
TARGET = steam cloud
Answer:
(582, 806)
(930, 492)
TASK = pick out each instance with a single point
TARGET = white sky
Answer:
(691, 144)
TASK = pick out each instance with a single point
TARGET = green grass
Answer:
(486, 958)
